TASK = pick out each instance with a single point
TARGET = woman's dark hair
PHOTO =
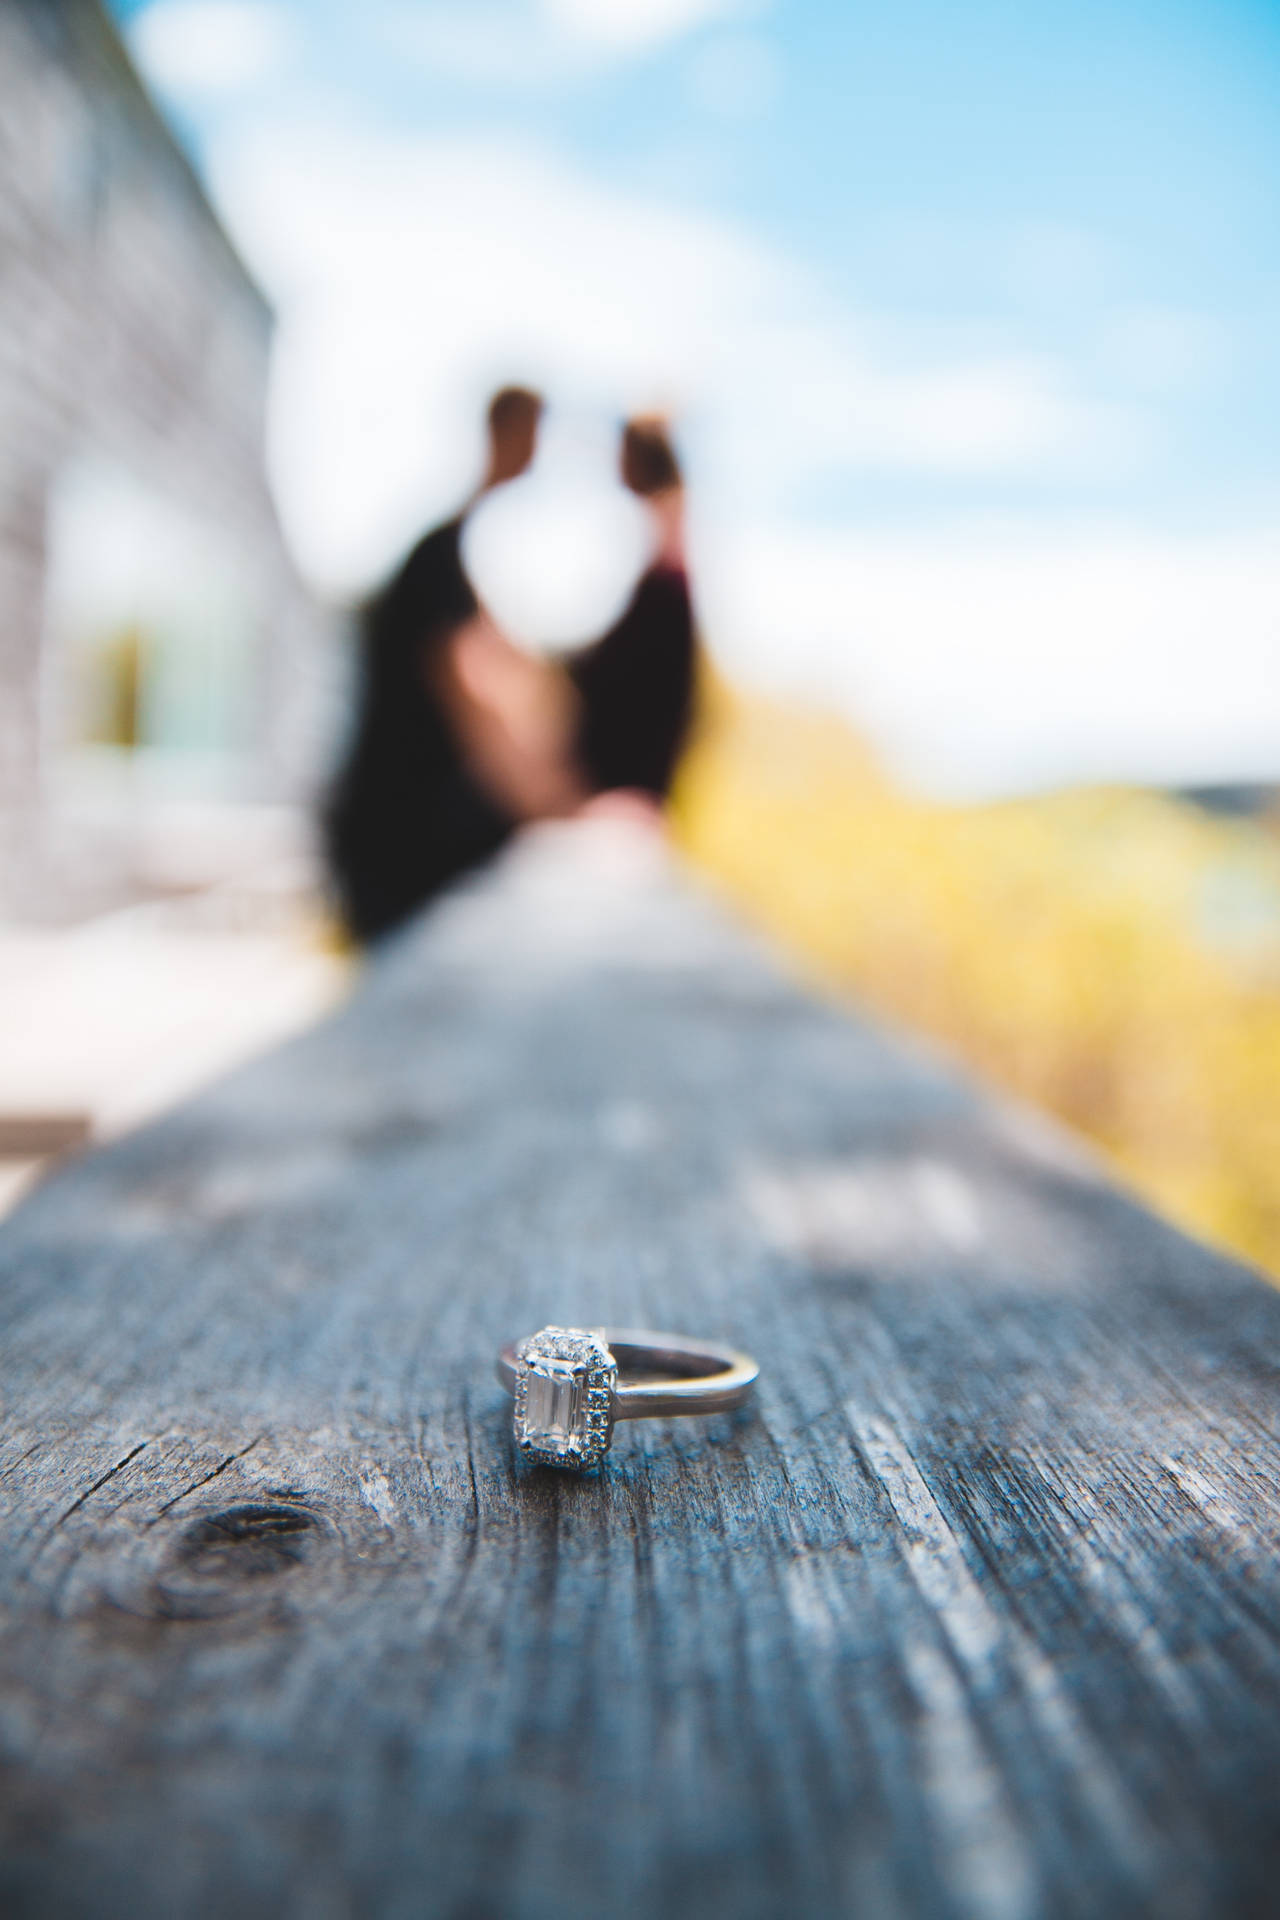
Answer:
(648, 464)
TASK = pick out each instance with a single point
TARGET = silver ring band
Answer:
(568, 1394)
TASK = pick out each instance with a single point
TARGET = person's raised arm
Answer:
(649, 467)
(514, 718)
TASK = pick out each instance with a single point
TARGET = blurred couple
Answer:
(461, 736)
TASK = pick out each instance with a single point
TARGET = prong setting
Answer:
(564, 1398)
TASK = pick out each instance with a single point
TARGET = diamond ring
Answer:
(567, 1393)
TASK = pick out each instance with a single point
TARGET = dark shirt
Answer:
(636, 685)
(405, 817)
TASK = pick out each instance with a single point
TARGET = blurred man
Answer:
(407, 815)
(635, 686)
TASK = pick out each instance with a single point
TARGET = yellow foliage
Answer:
(1111, 953)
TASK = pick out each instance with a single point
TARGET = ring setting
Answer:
(564, 1408)
(568, 1391)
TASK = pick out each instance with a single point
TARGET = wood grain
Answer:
(974, 1614)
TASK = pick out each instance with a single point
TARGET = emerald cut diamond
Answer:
(565, 1384)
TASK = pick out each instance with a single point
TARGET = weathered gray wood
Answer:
(976, 1614)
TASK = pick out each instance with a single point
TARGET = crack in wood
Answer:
(204, 1482)
(89, 1492)
(14, 1465)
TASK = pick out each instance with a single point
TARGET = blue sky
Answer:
(970, 311)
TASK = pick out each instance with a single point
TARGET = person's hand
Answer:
(632, 805)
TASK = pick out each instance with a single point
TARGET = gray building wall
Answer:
(129, 331)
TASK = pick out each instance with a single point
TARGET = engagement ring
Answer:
(568, 1396)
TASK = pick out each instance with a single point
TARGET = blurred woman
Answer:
(636, 683)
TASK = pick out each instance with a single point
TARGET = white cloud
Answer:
(630, 25)
(490, 44)
(412, 271)
(210, 46)
(986, 657)
(533, 45)
(555, 555)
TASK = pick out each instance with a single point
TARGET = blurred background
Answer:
(966, 316)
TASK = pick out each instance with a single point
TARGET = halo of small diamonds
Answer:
(564, 1398)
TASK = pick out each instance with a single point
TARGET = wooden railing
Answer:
(974, 1612)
